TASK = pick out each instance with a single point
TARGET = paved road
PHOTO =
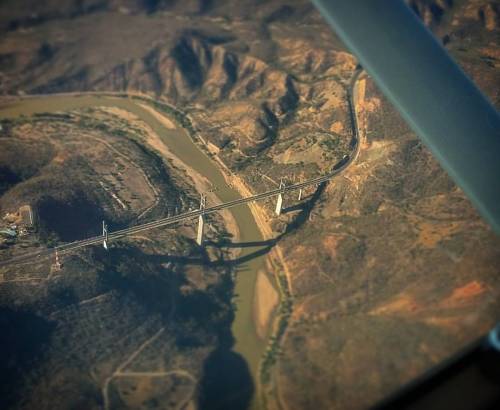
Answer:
(66, 248)
(113, 236)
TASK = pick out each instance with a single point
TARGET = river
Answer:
(247, 343)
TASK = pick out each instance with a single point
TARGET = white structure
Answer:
(105, 235)
(201, 220)
(279, 202)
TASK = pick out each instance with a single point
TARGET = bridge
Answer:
(107, 236)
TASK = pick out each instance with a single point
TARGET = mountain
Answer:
(388, 269)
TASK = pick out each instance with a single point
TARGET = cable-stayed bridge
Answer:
(107, 236)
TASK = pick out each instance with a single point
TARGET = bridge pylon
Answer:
(279, 202)
(201, 220)
(105, 235)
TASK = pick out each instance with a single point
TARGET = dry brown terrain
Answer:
(384, 273)
(106, 330)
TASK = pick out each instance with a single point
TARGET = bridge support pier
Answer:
(201, 227)
(105, 235)
(201, 221)
(279, 205)
(279, 202)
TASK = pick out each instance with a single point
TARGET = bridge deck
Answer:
(68, 247)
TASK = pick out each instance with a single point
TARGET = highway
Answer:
(113, 236)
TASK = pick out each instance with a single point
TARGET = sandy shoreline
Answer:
(266, 297)
(167, 122)
(266, 300)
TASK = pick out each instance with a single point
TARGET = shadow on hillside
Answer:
(201, 317)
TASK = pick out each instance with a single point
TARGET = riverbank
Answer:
(201, 183)
(179, 149)
(271, 302)
(266, 301)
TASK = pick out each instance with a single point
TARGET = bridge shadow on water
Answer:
(305, 209)
(199, 315)
(228, 383)
(264, 246)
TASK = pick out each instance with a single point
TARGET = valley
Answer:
(126, 111)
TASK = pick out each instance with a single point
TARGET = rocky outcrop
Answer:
(245, 127)
(203, 59)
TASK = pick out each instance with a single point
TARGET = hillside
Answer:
(105, 329)
(389, 269)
